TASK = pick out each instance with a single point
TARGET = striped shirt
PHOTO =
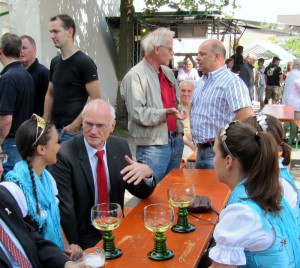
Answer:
(216, 99)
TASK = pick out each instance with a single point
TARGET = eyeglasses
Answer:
(170, 49)
(223, 136)
(40, 123)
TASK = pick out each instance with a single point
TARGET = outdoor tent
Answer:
(267, 50)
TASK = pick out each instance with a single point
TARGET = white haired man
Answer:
(151, 94)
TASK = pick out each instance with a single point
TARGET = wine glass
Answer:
(159, 218)
(107, 217)
(182, 195)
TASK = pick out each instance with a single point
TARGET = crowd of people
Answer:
(59, 159)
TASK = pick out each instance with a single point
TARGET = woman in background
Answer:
(188, 72)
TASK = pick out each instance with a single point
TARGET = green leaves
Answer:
(189, 5)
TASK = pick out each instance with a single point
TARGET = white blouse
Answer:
(289, 192)
(239, 229)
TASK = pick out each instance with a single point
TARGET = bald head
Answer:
(211, 55)
(99, 105)
(98, 122)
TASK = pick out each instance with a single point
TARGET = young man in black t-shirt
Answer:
(273, 75)
(73, 80)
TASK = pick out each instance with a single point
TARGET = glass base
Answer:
(158, 256)
(116, 253)
(183, 229)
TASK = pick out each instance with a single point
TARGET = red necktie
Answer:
(12, 248)
(101, 179)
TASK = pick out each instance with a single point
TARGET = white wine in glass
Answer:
(107, 217)
(158, 218)
(182, 195)
(106, 223)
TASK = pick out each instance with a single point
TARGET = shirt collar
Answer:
(91, 151)
(215, 73)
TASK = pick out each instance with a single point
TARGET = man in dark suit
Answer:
(76, 173)
(39, 252)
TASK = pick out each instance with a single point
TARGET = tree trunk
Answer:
(125, 55)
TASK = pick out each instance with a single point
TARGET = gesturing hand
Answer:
(135, 172)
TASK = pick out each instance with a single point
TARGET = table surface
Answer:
(136, 241)
(284, 113)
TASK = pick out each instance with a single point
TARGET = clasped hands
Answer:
(135, 172)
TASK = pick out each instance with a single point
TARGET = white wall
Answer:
(31, 17)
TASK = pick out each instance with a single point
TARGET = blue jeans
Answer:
(205, 158)
(9, 147)
(66, 136)
(161, 158)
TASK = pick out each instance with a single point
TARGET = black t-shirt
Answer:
(40, 75)
(69, 78)
(238, 62)
(273, 72)
(16, 94)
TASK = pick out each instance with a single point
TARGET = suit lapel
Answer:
(85, 163)
(113, 171)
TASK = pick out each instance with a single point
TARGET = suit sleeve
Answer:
(48, 253)
(62, 173)
(40, 252)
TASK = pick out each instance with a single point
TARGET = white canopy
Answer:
(268, 50)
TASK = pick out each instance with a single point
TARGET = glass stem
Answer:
(108, 241)
(183, 217)
(160, 243)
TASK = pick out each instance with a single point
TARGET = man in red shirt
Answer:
(151, 94)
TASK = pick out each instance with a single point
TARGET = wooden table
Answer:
(136, 241)
(285, 113)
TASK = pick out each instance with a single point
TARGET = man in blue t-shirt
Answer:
(39, 73)
(16, 96)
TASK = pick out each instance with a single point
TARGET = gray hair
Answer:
(252, 56)
(29, 38)
(296, 62)
(156, 38)
(191, 82)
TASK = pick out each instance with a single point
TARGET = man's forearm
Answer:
(47, 107)
(5, 125)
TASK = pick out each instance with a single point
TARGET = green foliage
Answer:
(292, 45)
(188, 5)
